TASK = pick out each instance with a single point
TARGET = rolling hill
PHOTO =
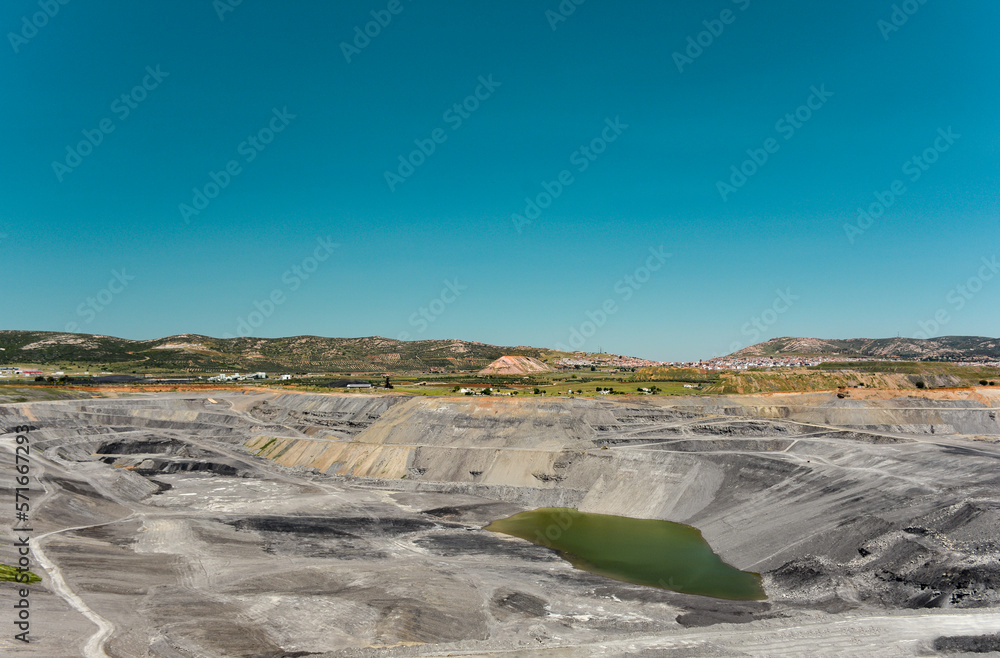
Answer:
(944, 348)
(196, 353)
(515, 365)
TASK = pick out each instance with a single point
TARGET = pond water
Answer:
(663, 554)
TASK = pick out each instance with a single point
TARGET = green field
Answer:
(923, 368)
(876, 375)
(14, 394)
(586, 382)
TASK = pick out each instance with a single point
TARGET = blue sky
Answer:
(625, 121)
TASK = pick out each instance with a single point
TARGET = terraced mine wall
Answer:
(835, 480)
(892, 500)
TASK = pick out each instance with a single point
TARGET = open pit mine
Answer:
(274, 524)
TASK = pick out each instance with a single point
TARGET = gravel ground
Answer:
(163, 534)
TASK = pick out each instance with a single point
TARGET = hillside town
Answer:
(617, 362)
(605, 361)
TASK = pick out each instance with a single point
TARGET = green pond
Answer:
(643, 551)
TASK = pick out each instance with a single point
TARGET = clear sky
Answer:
(518, 173)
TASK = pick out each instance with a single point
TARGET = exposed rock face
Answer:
(188, 519)
(806, 477)
(515, 365)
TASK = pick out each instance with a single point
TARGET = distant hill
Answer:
(945, 348)
(515, 365)
(196, 353)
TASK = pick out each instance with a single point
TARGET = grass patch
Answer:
(11, 393)
(261, 450)
(10, 574)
